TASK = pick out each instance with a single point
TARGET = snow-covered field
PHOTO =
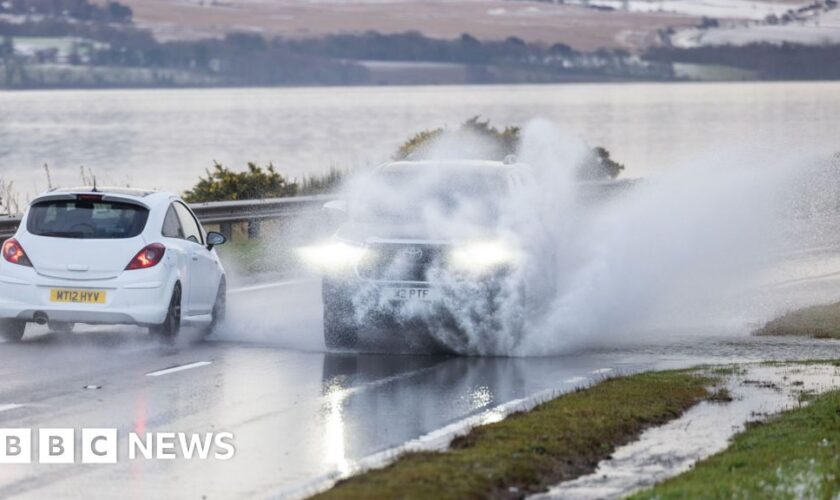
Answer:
(533, 21)
(634, 25)
(824, 28)
(719, 9)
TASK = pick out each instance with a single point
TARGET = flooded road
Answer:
(299, 415)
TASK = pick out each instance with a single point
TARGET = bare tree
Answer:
(49, 177)
(9, 199)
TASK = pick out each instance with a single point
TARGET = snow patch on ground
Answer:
(721, 9)
(824, 28)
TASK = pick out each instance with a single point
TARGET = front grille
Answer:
(400, 261)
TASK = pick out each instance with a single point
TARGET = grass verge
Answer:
(527, 452)
(255, 257)
(793, 455)
(817, 321)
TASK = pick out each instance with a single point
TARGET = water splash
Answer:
(670, 252)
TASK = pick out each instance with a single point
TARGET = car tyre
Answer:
(11, 330)
(170, 327)
(340, 329)
(219, 309)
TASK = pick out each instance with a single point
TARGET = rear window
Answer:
(86, 219)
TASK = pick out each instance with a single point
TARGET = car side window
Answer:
(172, 225)
(192, 230)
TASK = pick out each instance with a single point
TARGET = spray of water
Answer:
(681, 251)
(668, 253)
(675, 245)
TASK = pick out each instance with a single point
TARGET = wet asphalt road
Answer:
(297, 413)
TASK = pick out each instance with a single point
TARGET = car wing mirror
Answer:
(214, 239)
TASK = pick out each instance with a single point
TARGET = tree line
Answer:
(786, 61)
(111, 40)
(79, 10)
(253, 59)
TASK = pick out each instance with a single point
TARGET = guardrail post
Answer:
(253, 229)
(8, 226)
(226, 228)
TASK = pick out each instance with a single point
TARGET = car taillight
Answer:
(150, 256)
(89, 197)
(13, 252)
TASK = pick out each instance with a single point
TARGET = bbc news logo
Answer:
(101, 446)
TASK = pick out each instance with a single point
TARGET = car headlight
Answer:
(332, 257)
(483, 256)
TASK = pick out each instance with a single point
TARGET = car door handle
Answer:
(195, 257)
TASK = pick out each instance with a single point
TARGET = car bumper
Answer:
(135, 297)
(381, 294)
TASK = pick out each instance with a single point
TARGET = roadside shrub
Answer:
(501, 142)
(321, 184)
(223, 184)
(601, 166)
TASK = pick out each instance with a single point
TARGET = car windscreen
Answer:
(404, 195)
(86, 219)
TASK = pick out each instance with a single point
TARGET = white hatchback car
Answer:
(110, 256)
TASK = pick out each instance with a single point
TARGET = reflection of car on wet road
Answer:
(420, 240)
(112, 256)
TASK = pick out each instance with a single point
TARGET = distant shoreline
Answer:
(670, 83)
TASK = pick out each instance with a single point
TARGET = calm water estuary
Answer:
(167, 138)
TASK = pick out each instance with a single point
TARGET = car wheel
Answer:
(11, 330)
(172, 324)
(219, 309)
(340, 329)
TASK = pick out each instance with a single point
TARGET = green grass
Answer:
(724, 370)
(817, 321)
(721, 395)
(793, 455)
(559, 440)
(255, 257)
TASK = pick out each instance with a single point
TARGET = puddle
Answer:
(662, 452)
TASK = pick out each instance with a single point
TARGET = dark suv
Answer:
(421, 245)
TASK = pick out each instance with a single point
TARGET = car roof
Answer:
(138, 193)
(145, 197)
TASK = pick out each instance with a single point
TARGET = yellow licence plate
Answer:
(77, 296)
